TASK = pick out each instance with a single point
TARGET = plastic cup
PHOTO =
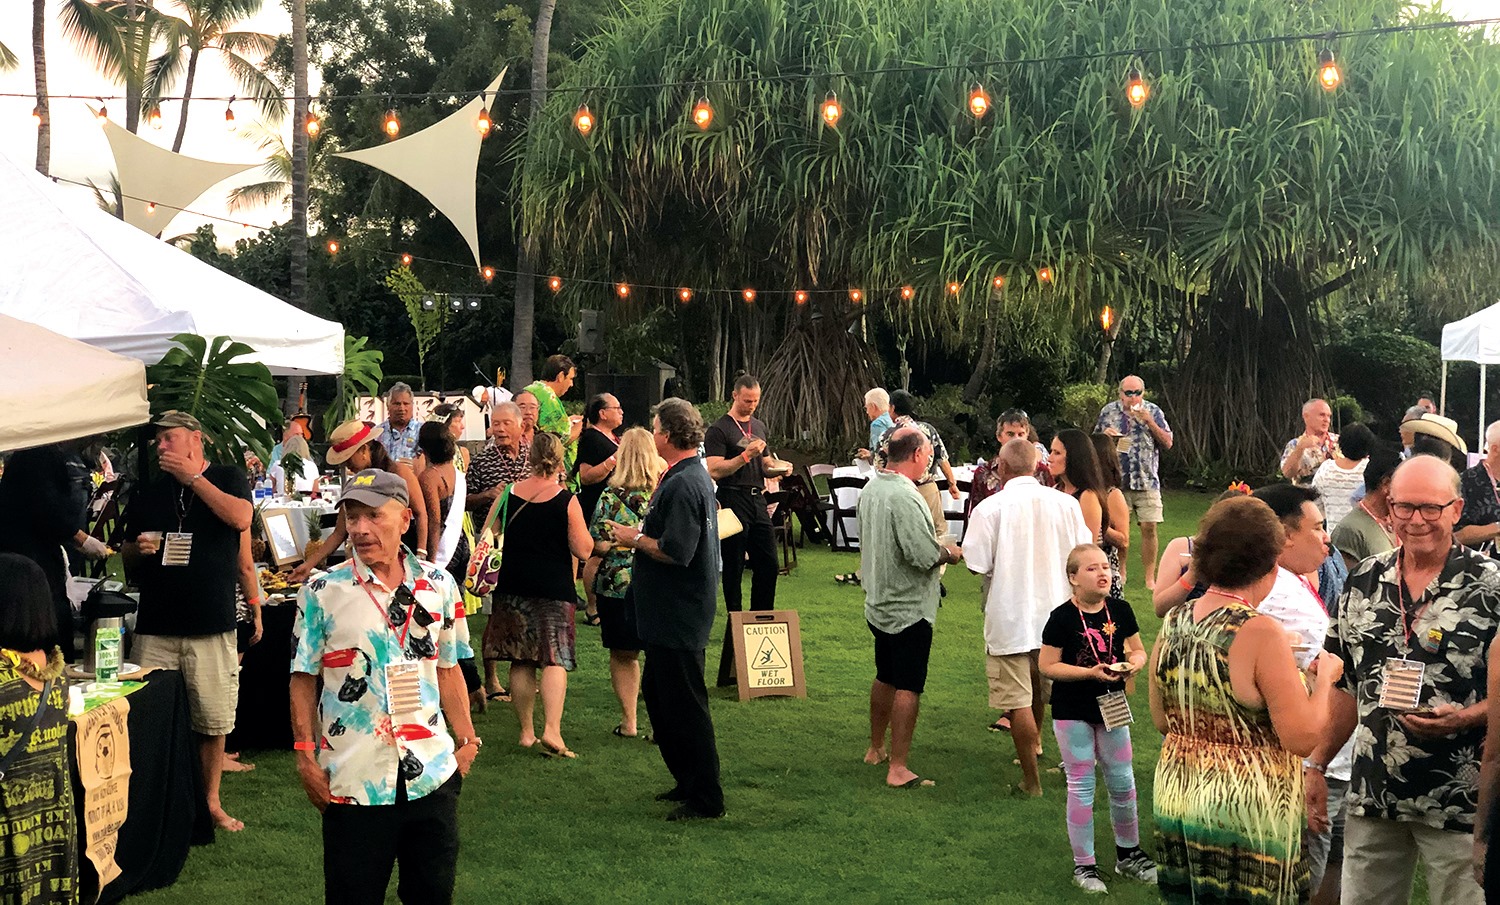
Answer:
(152, 539)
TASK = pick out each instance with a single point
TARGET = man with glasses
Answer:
(1141, 432)
(1013, 424)
(1412, 627)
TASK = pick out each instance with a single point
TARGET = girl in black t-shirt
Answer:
(1089, 646)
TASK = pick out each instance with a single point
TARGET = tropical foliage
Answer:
(235, 400)
(1224, 212)
(362, 375)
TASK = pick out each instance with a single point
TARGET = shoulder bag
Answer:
(484, 565)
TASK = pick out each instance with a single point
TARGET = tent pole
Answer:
(1481, 405)
(1443, 392)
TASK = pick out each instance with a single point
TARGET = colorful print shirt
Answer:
(1432, 781)
(939, 451)
(348, 630)
(1312, 459)
(628, 507)
(400, 444)
(1139, 464)
(494, 467)
(553, 418)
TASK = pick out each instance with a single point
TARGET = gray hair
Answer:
(1414, 413)
(878, 398)
(681, 423)
(399, 388)
(1492, 435)
(506, 407)
(1019, 457)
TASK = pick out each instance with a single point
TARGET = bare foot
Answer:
(224, 822)
(527, 740)
(478, 703)
(235, 765)
(1028, 791)
(876, 756)
(556, 744)
(1150, 582)
(905, 779)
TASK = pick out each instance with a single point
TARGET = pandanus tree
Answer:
(1232, 203)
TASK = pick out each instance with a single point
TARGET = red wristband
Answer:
(304, 746)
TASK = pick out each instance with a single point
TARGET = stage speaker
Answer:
(590, 334)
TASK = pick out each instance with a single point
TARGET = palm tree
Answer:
(115, 36)
(300, 106)
(8, 59)
(277, 169)
(527, 249)
(207, 28)
(39, 69)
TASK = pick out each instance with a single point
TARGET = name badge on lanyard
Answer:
(1401, 684)
(177, 548)
(403, 691)
(1114, 708)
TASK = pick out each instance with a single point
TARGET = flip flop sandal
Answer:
(591, 620)
(847, 578)
(551, 752)
(619, 731)
(1000, 725)
(916, 782)
(501, 695)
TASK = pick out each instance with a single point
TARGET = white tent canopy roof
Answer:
(1475, 338)
(60, 389)
(82, 273)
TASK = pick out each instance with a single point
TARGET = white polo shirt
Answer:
(1021, 538)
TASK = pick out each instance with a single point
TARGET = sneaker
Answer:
(1137, 866)
(1086, 877)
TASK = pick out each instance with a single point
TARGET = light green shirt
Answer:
(898, 554)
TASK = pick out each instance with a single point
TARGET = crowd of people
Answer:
(1319, 752)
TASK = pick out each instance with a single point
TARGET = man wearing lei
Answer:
(557, 379)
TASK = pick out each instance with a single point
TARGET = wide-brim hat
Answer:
(348, 437)
(1445, 429)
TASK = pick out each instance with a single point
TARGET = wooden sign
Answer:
(767, 653)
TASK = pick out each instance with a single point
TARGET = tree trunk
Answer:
(39, 66)
(1101, 373)
(187, 95)
(524, 322)
(981, 374)
(137, 52)
(300, 106)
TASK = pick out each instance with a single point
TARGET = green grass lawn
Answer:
(807, 821)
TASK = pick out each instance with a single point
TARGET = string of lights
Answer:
(1327, 38)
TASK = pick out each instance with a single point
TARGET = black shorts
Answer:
(243, 632)
(617, 623)
(901, 659)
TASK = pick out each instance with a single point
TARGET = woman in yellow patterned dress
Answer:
(1238, 719)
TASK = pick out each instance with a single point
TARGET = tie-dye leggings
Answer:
(1083, 745)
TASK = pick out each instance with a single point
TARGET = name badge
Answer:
(403, 691)
(177, 548)
(1123, 444)
(1401, 685)
(1114, 708)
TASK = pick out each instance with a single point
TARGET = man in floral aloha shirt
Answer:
(1414, 790)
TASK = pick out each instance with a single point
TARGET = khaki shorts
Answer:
(1145, 505)
(934, 500)
(1015, 680)
(210, 667)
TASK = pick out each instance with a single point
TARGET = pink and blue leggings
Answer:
(1084, 745)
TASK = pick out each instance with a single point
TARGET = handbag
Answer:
(729, 523)
(21, 744)
(484, 563)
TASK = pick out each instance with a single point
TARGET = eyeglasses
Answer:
(1429, 511)
(1134, 392)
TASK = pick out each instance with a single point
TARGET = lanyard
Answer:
(1105, 643)
(1493, 489)
(747, 428)
(609, 436)
(1384, 526)
(1313, 591)
(1401, 604)
(385, 611)
(1223, 593)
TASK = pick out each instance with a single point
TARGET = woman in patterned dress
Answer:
(1238, 718)
(624, 501)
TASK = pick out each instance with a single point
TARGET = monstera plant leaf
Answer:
(235, 400)
(362, 375)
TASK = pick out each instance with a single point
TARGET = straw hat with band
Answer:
(1445, 429)
(348, 437)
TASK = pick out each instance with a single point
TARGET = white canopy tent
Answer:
(61, 389)
(82, 273)
(1476, 338)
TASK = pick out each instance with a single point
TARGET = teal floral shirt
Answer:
(628, 507)
(349, 629)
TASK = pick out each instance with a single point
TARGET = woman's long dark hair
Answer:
(1082, 469)
(27, 620)
(1109, 460)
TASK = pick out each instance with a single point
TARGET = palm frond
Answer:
(256, 85)
(259, 194)
(8, 59)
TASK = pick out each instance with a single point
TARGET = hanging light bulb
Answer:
(482, 123)
(554, 283)
(333, 246)
(392, 123)
(907, 293)
(955, 287)
(154, 118)
(313, 126)
(103, 114)
(1136, 89)
(748, 295)
(406, 260)
(1106, 318)
(684, 295)
(488, 273)
(151, 207)
(800, 296)
(1044, 275)
(979, 102)
(998, 283)
(1329, 75)
(622, 290)
(856, 295)
(703, 114)
(36, 115)
(229, 116)
(583, 120)
(831, 110)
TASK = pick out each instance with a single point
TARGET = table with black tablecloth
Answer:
(263, 719)
(168, 812)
